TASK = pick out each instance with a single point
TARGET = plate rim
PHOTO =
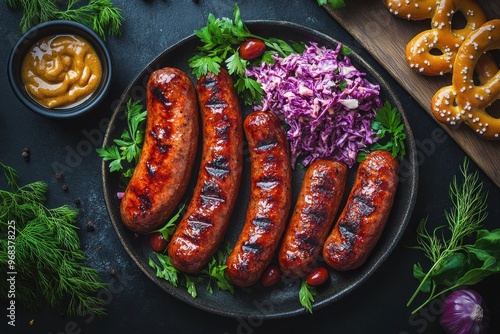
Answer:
(174, 291)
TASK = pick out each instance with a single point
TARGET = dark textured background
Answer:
(137, 305)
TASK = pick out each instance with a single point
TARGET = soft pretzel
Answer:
(464, 101)
(433, 52)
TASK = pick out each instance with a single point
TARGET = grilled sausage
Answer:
(203, 226)
(269, 199)
(318, 202)
(162, 173)
(366, 212)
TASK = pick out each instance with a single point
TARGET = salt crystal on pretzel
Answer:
(412, 9)
(464, 101)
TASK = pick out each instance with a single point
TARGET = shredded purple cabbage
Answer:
(326, 102)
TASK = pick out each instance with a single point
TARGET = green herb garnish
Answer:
(306, 295)
(453, 262)
(99, 15)
(221, 38)
(169, 228)
(390, 131)
(42, 248)
(128, 148)
(212, 274)
(335, 4)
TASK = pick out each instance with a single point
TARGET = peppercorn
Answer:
(26, 154)
(90, 226)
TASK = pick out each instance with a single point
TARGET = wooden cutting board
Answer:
(385, 37)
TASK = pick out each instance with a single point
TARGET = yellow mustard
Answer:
(61, 71)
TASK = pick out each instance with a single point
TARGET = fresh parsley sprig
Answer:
(212, 274)
(306, 295)
(454, 262)
(390, 131)
(335, 4)
(124, 155)
(221, 39)
(169, 228)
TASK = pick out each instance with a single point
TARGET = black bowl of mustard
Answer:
(60, 69)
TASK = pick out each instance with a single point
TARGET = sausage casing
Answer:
(312, 218)
(270, 198)
(167, 157)
(365, 215)
(203, 226)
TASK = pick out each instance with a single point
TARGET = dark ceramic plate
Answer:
(280, 300)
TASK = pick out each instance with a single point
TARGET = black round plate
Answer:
(280, 300)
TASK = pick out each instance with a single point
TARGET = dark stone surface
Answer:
(135, 303)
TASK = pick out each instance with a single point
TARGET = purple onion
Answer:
(465, 313)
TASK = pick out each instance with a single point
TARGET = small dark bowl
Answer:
(59, 27)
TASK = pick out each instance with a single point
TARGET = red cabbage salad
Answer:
(326, 102)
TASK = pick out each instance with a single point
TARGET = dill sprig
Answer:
(48, 260)
(99, 15)
(454, 262)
